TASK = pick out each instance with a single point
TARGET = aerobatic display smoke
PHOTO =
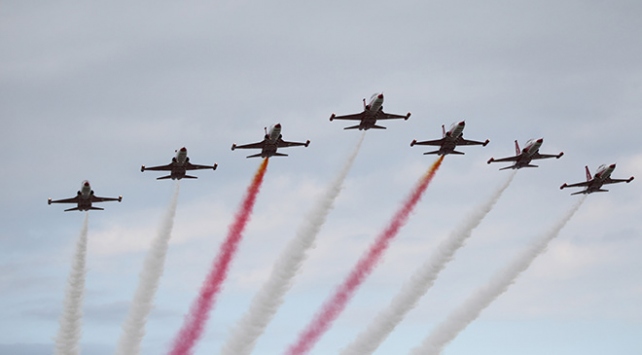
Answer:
(194, 322)
(68, 338)
(461, 317)
(134, 325)
(270, 296)
(333, 306)
(379, 329)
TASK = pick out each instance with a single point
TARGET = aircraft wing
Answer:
(615, 181)
(167, 167)
(545, 156)
(355, 117)
(104, 199)
(579, 184)
(513, 158)
(390, 116)
(462, 141)
(67, 200)
(284, 144)
(190, 166)
(257, 145)
(436, 142)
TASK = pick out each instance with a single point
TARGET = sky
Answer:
(94, 91)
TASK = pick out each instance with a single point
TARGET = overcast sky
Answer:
(92, 92)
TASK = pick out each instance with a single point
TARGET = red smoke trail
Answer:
(333, 307)
(194, 322)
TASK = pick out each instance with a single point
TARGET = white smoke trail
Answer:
(461, 317)
(68, 338)
(141, 306)
(386, 321)
(268, 299)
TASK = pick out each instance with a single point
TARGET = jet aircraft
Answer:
(272, 141)
(594, 183)
(179, 166)
(523, 157)
(372, 111)
(85, 198)
(450, 139)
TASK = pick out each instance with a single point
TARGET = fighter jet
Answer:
(450, 139)
(372, 112)
(85, 198)
(272, 141)
(594, 184)
(179, 165)
(523, 157)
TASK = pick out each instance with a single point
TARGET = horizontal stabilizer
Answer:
(509, 167)
(164, 177)
(352, 127)
(189, 177)
(96, 208)
(530, 166)
(72, 209)
(456, 152)
(280, 155)
(378, 127)
(254, 156)
(434, 152)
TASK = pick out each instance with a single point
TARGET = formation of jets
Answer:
(372, 112)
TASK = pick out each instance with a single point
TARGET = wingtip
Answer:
(486, 143)
(233, 146)
(142, 168)
(630, 179)
(120, 198)
(559, 155)
(408, 115)
(49, 201)
(215, 166)
(414, 141)
(490, 160)
(563, 186)
(332, 116)
(307, 143)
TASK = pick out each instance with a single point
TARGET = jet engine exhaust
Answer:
(194, 322)
(337, 302)
(421, 281)
(68, 338)
(461, 317)
(271, 295)
(133, 329)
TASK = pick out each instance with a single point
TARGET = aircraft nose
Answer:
(86, 183)
(541, 140)
(183, 149)
(612, 166)
(278, 125)
(381, 96)
(462, 123)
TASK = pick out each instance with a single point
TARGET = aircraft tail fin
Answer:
(378, 127)
(588, 173)
(443, 130)
(164, 177)
(189, 177)
(517, 150)
(352, 127)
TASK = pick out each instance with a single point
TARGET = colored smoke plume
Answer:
(461, 317)
(68, 338)
(270, 296)
(134, 326)
(194, 322)
(421, 281)
(333, 306)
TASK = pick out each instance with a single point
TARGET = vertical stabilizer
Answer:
(588, 173)
(517, 150)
